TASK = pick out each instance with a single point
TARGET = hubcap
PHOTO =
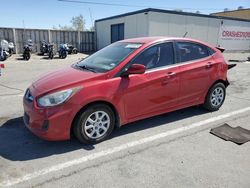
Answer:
(97, 124)
(217, 96)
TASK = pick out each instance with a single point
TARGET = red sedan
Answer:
(126, 81)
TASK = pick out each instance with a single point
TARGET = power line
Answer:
(100, 3)
(130, 5)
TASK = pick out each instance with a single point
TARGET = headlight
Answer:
(56, 98)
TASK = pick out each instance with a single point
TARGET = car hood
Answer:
(61, 78)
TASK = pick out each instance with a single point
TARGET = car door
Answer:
(157, 89)
(196, 67)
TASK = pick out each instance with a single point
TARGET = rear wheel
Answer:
(215, 97)
(94, 124)
(74, 51)
(4, 57)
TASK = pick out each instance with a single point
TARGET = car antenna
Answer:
(185, 35)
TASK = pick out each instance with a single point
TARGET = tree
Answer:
(92, 28)
(78, 24)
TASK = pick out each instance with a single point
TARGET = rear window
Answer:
(189, 51)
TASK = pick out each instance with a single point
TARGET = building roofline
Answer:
(237, 10)
(171, 12)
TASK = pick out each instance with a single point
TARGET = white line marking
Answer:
(117, 149)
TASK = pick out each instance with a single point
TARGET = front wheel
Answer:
(64, 55)
(51, 55)
(27, 56)
(94, 124)
(215, 97)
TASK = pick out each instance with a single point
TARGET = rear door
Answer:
(196, 65)
(157, 89)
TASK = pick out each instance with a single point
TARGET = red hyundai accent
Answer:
(127, 81)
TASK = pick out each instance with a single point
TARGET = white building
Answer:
(230, 33)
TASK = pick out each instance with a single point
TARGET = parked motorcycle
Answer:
(63, 51)
(43, 47)
(51, 50)
(72, 49)
(27, 50)
(4, 48)
(11, 48)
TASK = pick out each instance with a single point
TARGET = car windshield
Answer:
(109, 57)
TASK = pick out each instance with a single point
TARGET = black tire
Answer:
(209, 104)
(64, 56)
(75, 51)
(27, 56)
(3, 58)
(51, 55)
(81, 121)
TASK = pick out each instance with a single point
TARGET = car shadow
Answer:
(47, 57)
(19, 144)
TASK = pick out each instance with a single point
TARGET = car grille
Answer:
(28, 96)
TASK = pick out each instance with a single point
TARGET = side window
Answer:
(156, 56)
(211, 51)
(189, 51)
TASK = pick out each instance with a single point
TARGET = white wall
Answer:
(174, 25)
(134, 26)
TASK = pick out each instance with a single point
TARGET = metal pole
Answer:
(79, 41)
(14, 40)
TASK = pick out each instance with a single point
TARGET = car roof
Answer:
(152, 40)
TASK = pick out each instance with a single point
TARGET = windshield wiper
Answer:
(85, 67)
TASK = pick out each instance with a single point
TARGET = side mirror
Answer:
(134, 69)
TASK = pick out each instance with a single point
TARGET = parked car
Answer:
(127, 81)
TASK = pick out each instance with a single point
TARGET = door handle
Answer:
(209, 65)
(171, 74)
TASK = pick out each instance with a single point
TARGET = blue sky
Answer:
(49, 13)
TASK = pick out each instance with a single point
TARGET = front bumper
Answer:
(51, 124)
